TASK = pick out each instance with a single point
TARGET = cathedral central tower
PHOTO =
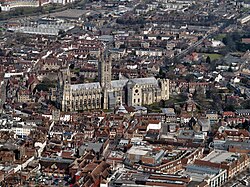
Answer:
(104, 70)
(104, 75)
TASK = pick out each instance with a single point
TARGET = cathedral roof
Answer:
(115, 83)
(140, 81)
(119, 83)
(87, 86)
(148, 80)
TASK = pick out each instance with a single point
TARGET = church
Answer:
(107, 93)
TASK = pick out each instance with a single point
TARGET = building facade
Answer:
(107, 93)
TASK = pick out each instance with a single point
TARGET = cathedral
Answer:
(107, 93)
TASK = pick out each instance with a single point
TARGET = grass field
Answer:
(220, 37)
(213, 56)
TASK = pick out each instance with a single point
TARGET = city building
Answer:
(213, 176)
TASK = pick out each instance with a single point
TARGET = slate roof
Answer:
(86, 86)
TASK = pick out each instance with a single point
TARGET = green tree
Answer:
(190, 78)
(230, 43)
(230, 68)
(229, 108)
(162, 73)
(208, 60)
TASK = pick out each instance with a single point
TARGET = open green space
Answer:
(213, 56)
(156, 107)
(220, 37)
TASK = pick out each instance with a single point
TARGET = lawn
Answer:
(220, 37)
(156, 107)
(213, 56)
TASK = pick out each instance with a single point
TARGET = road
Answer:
(209, 34)
(190, 48)
(196, 44)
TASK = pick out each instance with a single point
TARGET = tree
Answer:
(229, 42)
(162, 74)
(45, 85)
(24, 105)
(72, 66)
(230, 108)
(42, 87)
(190, 78)
(162, 103)
(199, 93)
(244, 125)
(246, 104)
(1, 52)
(230, 68)
(208, 60)
(244, 80)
